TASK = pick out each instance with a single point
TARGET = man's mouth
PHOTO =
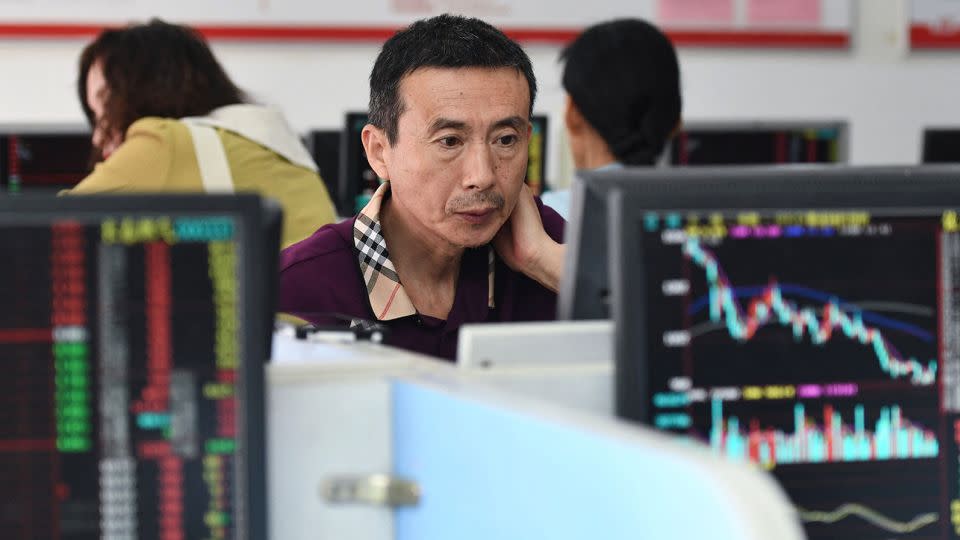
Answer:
(476, 216)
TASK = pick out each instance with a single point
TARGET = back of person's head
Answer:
(624, 78)
(444, 41)
(155, 69)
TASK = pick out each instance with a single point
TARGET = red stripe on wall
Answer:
(925, 37)
(704, 38)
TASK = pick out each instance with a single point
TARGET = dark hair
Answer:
(155, 69)
(624, 78)
(445, 41)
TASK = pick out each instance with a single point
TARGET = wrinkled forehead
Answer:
(465, 94)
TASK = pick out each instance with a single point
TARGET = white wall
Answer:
(886, 93)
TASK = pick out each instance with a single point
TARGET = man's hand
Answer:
(526, 247)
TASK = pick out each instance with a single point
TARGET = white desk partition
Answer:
(566, 362)
(490, 463)
(328, 413)
(534, 344)
(584, 387)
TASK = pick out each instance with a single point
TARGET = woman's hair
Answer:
(154, 69)
(624, 78)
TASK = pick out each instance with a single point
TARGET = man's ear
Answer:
(573, 118)
(377, 147)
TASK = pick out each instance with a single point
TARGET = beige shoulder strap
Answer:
(212, 160)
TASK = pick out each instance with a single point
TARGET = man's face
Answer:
(460, 157)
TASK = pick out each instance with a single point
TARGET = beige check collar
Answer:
(387, 297)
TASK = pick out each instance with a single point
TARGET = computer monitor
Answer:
(358, 181)
(537, 161)
(43, 159)
(805, 321)
(759, 143)
(324, 145)
(523, 345)
(585, 288)
(941, 145)
(132, 354)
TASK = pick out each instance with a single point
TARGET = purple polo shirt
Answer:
(344, 268)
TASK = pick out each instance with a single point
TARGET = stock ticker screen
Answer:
(822, 347)
(118, 395)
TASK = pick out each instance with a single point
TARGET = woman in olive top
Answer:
(167, 118)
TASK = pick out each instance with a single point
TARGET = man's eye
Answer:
(449, 142)
(507, 140)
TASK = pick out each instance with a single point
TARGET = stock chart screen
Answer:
(821, 346)
(742, 145)
(44, 161)
(119, 409)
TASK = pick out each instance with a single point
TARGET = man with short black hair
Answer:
(454, 236)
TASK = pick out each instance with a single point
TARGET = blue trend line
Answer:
(813, 294)
(819, 324)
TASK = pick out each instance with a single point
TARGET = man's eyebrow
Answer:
(516, 122)
(446, 123)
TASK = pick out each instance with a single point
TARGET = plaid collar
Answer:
(387, 297)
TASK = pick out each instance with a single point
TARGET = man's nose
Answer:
(480, 168)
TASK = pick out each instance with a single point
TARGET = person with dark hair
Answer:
(623, 105)
(166, 118)
(453, 236)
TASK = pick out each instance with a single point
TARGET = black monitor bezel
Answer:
(927, 152)
(580, 293)
(351, 148)
(331, 178)
(259, 220)
(38, 131)
(762, 126)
